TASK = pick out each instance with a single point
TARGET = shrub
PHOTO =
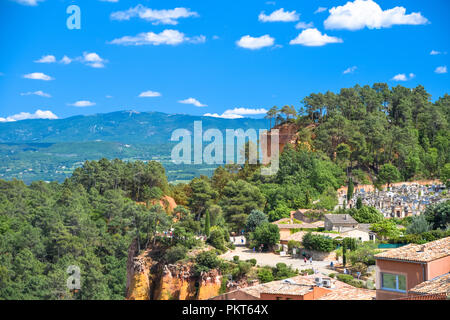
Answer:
(216, 238)
(175, 253)
(244, 268)
(223, 286)
(318, 242)
(293, 244)
(364, 254)
(332, 275)
(419, 224)
(282, 271)
(367, 215)
(265, 275)
(226, 267)
(308, 271)
(360, 267)
(350, 280)
(255, 219)
(206, 261)
(438, 215)
(252, 261)
(236, 259)
(344, 278)
(266, 234)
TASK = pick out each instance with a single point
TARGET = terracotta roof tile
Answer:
(438, 285)
(341, 219)
(419, 253)
(275, 285)
(303, 284)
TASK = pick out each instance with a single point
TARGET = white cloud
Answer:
(65, 60)
(93, 60)
(367, 13)
(320, 9)
(46, 59)
(82, 104)
(434, 52)
(38, 76)
(271, 3)
(279, 16)
(150, 94)
(403, 77)
(156, 16)
(114, 1)
(223, 116)
(193, 101)
(254, 43)
(237, 113)
(304, 25)
(28, 2)
(441, 70)
(168, 37)
(39, 114)
(350, 70)
(36, 93)
(108, 97)
(314, 38)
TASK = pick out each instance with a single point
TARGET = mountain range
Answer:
(123, 126)
(50, 150)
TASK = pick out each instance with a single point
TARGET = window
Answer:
(393, 282)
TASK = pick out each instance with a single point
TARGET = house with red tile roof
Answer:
(411, 268)
(311, 287)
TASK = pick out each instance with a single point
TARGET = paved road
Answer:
(271, 259)
(238, 240)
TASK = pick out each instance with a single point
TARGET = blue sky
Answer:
(225, 58)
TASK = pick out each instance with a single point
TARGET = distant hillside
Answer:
(124, 127)
(50, 150)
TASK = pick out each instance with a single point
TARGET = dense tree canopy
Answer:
(371, 134)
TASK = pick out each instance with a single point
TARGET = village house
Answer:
(312, 287)
(349, 229)
(287, 226)
(411, 268)
(340, 222)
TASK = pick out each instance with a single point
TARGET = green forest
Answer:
(361, 135)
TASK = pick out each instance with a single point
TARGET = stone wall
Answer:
(319, 256)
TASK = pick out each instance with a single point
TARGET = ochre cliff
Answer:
(149, 280)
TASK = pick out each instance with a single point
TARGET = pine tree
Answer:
(350, 189)
(344, 254)
(359, 203)
(207, 224)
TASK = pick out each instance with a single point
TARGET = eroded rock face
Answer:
(210, 283)
(148, 279)
(139, 280)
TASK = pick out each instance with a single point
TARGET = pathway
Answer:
(271, 259)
